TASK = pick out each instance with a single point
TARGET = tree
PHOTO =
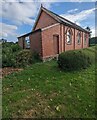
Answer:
(3, 40)
(88, 28)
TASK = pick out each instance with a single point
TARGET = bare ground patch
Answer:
(8, 70)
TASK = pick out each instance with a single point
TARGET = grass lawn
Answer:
(43, 90)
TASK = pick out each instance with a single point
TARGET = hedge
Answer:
(74, 60)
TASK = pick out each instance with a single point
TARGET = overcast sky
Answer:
(18, 16)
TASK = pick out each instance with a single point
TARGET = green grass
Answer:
(43, 90)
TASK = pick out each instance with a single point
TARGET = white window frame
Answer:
(27, 39)
(79, 38)
(85, 39)
(69, 37)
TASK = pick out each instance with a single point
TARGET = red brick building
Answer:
(53, 34)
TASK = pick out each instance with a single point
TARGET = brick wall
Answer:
(35, 42)
(44, 21)
(74, 44)
(47, 41)
(42, 41)
(87, 41)
(21, 42)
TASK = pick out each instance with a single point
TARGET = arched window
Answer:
(85, 38)
(69, 37)
(27, 42)
(79, 37)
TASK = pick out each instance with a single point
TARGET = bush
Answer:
(0, 55)
(26, 57)
(15, 48)
(9, 51)
(14, 56)
(8, 60)
(36, 57)
(74, 60)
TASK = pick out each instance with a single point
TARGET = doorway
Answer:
(56, 44)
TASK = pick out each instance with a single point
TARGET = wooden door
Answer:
(56, 44)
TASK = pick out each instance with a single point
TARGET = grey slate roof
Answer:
(64, 21)
(59, 19)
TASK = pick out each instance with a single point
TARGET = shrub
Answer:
(36, 57)
(74, 60)
(26, 57)
(0, 56)
(14, 56)
(9, 51)
(8, 60)
(15, 48)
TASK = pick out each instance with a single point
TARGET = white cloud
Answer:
(21, 12)
(78, 23)
(18, 12)
(93, 0)
(7, 30)
(32, 0)
(75, 0)
(49, 1)
(81, 16)
(73, 10)
(94, 31)
(24, 13)
(78, 17)
(68, 0)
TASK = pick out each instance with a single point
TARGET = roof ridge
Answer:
(79, 27)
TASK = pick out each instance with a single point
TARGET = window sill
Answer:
(68, 43)
(79, 43)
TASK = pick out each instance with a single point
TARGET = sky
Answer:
(17, 17)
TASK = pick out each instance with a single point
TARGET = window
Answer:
(27, 41)
(79, 37)
(69, 37)
(85, 38)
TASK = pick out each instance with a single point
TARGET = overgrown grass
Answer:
(43, 90)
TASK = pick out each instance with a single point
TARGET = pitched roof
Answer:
(57, 18)
(60, 19)
(24, 35)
